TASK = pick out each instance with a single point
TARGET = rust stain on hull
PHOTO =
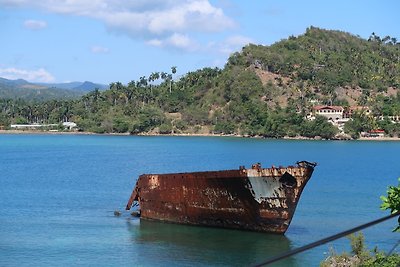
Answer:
(256, 199)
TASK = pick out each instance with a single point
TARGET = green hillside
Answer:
(37, 92)
(329, 59)
(331, 66)
(262, 90)
(21, 89)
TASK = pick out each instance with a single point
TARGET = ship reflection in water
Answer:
(166, 244)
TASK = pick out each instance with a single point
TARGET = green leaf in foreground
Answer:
(392, 202)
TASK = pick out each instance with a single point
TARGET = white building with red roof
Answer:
(332, 113)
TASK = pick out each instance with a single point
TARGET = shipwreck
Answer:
(255, 199)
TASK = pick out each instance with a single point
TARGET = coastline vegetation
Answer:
(360, 255)
(262, 91)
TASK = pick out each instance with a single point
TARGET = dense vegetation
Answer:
(360, 255)
(262, 91)
(329, 59)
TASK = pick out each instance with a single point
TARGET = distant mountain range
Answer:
(76, 86)
(45, 91)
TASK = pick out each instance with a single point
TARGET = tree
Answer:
(169, 78)
(224, 127)
(120, 125)
(165, 128)
(147, 119)
(319, 127)
(173, 71)
(360, 122)
(4, 120)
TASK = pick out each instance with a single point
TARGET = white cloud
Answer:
(238, 40)
(230, 44)
(35, 24)
(149, 20)
(180, 40)
(176, 40)
(183, 42)
(39, 75)
(177, 17)
(99, 49)
(235, 43)
(155, 42)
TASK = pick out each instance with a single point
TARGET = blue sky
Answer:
(106, 41)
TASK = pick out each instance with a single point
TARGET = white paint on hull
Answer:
(264, 188)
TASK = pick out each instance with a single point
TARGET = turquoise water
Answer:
(58, 194)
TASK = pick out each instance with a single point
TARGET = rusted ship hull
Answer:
(256, 199)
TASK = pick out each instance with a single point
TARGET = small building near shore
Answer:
(374, 133)
(69, 125)
(32, 126)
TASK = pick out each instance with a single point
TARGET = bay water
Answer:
(58, 194)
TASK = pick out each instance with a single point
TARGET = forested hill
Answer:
(37, 92)
(21, 89)
(325, 61)
(262, 90)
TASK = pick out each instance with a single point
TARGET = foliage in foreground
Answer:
(361, 256)
(392, 202)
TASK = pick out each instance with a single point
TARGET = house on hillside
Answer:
(360, 109)
(393, 119)
(332, 113)
(339, 115)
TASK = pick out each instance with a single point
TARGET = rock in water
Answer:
(135, 214)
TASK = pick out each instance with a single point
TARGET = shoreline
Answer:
(32, 132)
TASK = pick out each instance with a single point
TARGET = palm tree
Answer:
(130, 90)
(386, 38)
(118, 86)
(156, 75)
(164, 76)
(173, 71)
(143, 81)
(151, 79)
